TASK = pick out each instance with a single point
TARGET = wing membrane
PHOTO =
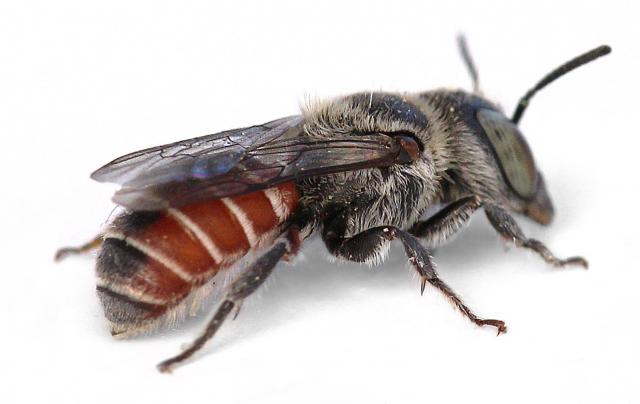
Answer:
(238, 161)
(199, 158)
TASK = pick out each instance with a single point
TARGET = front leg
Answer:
(364, 246)
(447, 222)
(507, 227)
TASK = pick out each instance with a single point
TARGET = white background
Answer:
(83, 82)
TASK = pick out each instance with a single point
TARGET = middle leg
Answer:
(362, 246)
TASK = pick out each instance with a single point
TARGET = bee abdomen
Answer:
(149, 262)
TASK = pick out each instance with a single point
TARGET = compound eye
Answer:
(512, 151)
(409, 148)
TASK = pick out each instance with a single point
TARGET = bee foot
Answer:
(577, 261)
(500, 325)
(65, 252)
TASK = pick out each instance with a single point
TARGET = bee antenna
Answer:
(556, 73)
(468, 61)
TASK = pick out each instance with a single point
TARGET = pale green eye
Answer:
(514, 157)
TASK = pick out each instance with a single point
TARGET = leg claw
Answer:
(500, 325)
(64, 253)
(165, 367)
(578, 261)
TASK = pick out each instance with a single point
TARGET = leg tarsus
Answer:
(499, 324)
(543, 251)
(507, 227)
(64, 252)
(213, 326)
(463, 308)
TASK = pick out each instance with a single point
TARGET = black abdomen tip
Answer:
(125, 313)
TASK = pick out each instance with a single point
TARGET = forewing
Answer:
(238, 161)
(199, 158)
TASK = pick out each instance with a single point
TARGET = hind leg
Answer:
(244, 286)
(507, 227)
(64, 252)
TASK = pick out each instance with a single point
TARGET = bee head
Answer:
(528, 194)
(510, 149)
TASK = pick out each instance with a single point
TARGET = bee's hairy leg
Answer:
(420, 259)
(368, 243)
(447, 222)
(507, 227)
(245, 285)
(64, 252)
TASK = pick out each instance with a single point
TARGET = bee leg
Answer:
(447, 222)
(363, 246)
(249, 281)
(507, 227)
(420, 259)
(64, 252)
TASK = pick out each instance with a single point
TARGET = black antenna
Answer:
(558, 72)
(468, 61)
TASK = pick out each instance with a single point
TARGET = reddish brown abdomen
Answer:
(150, 261)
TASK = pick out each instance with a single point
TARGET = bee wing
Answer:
(239, 161)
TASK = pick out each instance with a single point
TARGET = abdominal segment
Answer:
(150, 261)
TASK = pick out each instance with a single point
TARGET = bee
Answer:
(360, 171)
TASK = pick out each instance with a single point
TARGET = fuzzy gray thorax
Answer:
(373, 197)
(395, 196)
(455, 161)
